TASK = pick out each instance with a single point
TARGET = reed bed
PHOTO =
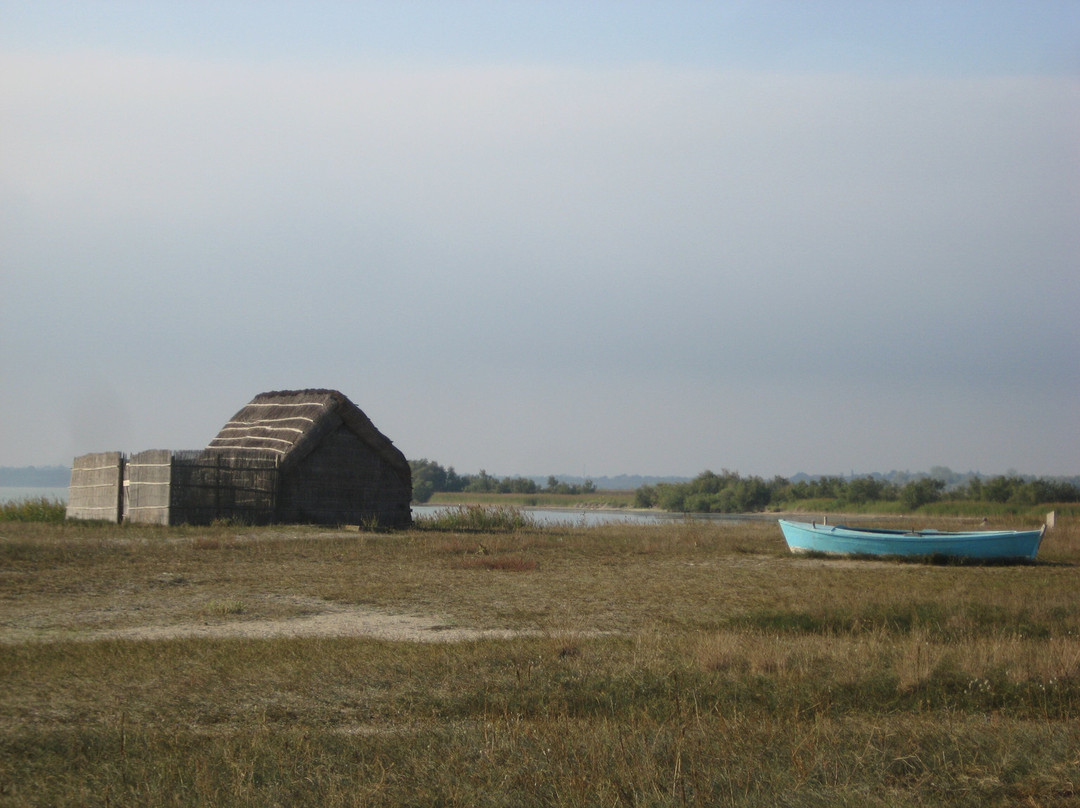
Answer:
(34, 509)
(683, 664)
(477, 518)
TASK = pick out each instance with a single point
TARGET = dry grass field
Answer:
(682, 664)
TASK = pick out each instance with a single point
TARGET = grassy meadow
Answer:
(681, 664)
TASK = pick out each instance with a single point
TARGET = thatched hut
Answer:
(334, 466)
(289, 456)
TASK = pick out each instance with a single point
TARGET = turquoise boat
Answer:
(810, 537)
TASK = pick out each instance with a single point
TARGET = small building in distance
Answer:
(293, 456)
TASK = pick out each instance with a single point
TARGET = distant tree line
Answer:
(430, 477)
(728, 492)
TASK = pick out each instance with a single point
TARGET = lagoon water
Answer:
(587, 517)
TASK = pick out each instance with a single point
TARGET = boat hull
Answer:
(808, 537)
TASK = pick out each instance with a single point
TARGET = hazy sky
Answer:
(549, 237)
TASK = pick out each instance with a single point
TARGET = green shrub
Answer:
(477, 517)
(921, 492)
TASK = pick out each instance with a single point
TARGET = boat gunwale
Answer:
(872, 532)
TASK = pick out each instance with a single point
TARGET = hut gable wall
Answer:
(312, 440)
(361, 425)
(343, 480)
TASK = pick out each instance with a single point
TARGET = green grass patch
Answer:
(34, 509)
(476, 518)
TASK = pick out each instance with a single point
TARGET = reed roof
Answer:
(286, 425)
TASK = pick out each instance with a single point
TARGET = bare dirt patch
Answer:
(303, 617)
(333, 621)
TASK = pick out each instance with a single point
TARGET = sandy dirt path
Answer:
(302, 617)
(333, 621)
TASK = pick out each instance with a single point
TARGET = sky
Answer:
(541, 237)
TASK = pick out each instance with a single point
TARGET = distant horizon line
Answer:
(639, 478)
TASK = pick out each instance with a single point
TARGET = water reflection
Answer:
(588, 517)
